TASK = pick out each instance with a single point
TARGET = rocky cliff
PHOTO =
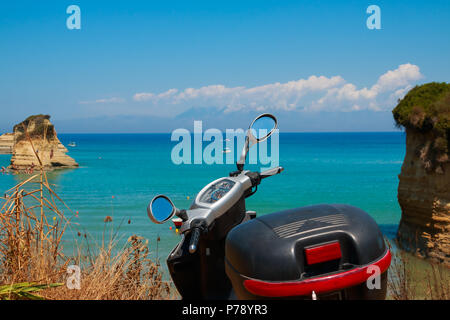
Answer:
(6, 143)
(424, 197)
(49, 149)
(424, 181)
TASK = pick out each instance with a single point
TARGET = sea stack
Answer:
(424, 181)
(43, 136)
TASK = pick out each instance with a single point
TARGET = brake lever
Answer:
(197, 228)
(195, 236)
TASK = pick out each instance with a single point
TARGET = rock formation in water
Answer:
(424, 181)
(6, 143)
(46, 144)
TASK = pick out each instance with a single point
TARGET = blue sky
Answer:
(146, 66)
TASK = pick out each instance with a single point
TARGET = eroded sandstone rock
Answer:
(49, 149)
(424, 197)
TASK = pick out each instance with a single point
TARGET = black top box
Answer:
(319, 248)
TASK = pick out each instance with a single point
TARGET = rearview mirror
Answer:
(161, 209)
(260, 129)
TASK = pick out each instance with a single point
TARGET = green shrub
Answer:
(426, 108)
(41, 128)
(431, 99)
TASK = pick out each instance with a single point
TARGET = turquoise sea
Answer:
(120, 173)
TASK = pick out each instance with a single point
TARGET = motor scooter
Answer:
(327, 251)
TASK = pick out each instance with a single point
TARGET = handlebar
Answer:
(256, 177)
(195, 236)
(198, 225)
(271, 172)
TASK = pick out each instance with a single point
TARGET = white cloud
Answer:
(316, 93)
(104, 101)
(400, 77)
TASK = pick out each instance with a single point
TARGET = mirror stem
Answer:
(241, 162)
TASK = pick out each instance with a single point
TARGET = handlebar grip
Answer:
(195, 236)
(271, 172)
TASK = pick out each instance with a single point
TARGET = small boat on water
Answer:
(72, 144)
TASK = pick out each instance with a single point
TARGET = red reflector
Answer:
(322, 253)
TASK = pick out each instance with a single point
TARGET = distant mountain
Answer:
(289, 121)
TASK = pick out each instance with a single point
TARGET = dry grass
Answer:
(32, 225)
(129, 274)
(411, 278)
